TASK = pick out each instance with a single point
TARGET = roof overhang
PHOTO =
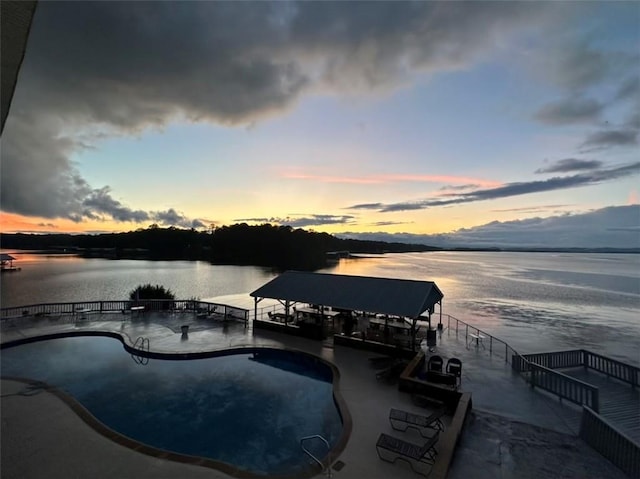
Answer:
(398, 297)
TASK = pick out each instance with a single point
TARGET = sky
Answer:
(484, 123)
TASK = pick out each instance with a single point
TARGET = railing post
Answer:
(596, 400)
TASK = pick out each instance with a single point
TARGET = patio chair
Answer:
(454, 366)
(402, 420)
(392, 449)
(434, 363)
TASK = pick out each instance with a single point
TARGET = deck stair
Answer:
(613, 387)
(619, 402)
(608, 391)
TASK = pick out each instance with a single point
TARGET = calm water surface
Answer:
(534, 301)
(231, 408)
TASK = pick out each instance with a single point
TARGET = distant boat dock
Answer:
(6, 263)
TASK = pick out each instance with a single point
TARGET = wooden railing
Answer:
(564, 386)
(123, 306)
(538, 374)
(610, 442)
(615, 369)
(581, 357)
(559, 359)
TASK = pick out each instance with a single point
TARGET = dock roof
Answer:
(399, 297)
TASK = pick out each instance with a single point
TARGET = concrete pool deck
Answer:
(513, 431)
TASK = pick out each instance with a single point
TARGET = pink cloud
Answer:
(394, 178)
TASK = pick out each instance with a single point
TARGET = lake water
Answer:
(534, 301)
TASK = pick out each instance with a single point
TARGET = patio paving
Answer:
(43, 437)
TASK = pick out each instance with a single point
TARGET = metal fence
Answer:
(124, 307)
(494, 345)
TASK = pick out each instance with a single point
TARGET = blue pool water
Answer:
(248, 410)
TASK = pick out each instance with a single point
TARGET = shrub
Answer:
(144, 292)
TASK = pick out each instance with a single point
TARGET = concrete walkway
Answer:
(43, 437)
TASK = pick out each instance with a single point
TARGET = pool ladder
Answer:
(318, 461)
(141, 344)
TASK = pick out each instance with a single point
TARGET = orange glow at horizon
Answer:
(15, 223)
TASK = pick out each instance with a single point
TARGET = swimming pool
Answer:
(248, 409)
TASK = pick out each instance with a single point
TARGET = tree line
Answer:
(281, 247)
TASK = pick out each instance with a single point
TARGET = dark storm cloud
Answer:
(99, 202)
(98, 69)
(512, 189)
(612, 227)
(570, 110)
(570, 164)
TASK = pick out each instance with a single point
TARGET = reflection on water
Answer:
(63, 278)
(535, 301)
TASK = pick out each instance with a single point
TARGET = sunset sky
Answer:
(488, 122)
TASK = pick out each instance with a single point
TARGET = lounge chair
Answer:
(454, 366)
(391, 449)
(402, 420)
(434, 363)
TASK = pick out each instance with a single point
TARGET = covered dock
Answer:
(384, 303)
(6, 263)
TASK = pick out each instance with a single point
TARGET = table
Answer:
(137, 309)
(391, 323)
(478, 339)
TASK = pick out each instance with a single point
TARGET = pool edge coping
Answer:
(126, 441)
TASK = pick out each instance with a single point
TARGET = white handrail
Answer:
(317, 436)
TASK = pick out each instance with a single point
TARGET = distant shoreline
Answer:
(355, 255)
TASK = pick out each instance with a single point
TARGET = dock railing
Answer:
(612, 368)
(537, 369)
(564, 386)
(613, 444)
(581, 357)
(537, 374)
